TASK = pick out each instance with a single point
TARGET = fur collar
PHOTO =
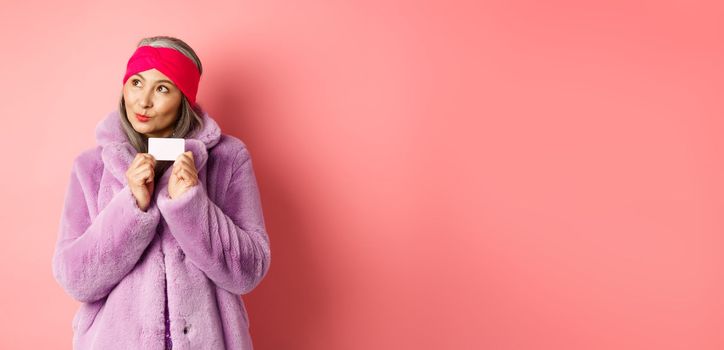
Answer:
(118, 153)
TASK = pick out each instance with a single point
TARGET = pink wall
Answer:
(435, 175)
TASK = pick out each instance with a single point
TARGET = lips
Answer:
(142, 118)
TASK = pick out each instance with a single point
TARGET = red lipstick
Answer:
(142, 118)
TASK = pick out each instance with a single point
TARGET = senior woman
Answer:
(159, 253)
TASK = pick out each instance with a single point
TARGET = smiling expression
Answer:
(152, 94)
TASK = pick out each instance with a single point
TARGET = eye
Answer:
(134, 82)
(162, 86)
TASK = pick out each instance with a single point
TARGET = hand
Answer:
(140, 179)
(184, 175)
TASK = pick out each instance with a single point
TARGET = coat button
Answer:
(186, 329)
(181, 254)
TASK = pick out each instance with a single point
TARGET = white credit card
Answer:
(165, 148)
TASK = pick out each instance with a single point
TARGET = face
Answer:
(152, 94)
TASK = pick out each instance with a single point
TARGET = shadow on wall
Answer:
(288, 305)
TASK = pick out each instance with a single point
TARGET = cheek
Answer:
(169, 105)
(128, 96)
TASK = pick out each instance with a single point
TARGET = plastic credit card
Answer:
(165, 148)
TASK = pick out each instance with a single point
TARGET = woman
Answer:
(159, 253)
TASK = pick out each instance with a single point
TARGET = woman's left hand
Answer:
(184, 175)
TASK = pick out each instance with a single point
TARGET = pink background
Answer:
(434, 174)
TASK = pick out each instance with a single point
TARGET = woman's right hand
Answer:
(140, 179)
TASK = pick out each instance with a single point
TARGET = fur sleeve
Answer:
(93, 254)
(228, 242)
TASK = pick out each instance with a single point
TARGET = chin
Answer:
(141, 129)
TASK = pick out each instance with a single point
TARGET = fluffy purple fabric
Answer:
(209, 246)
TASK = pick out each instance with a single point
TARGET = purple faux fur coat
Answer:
(206, 247)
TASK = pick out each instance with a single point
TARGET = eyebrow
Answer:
(160, 81)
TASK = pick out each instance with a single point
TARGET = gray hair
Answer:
(189, 117)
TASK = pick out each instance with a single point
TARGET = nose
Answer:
(146, 99)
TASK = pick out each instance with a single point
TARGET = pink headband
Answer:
(175, 65)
